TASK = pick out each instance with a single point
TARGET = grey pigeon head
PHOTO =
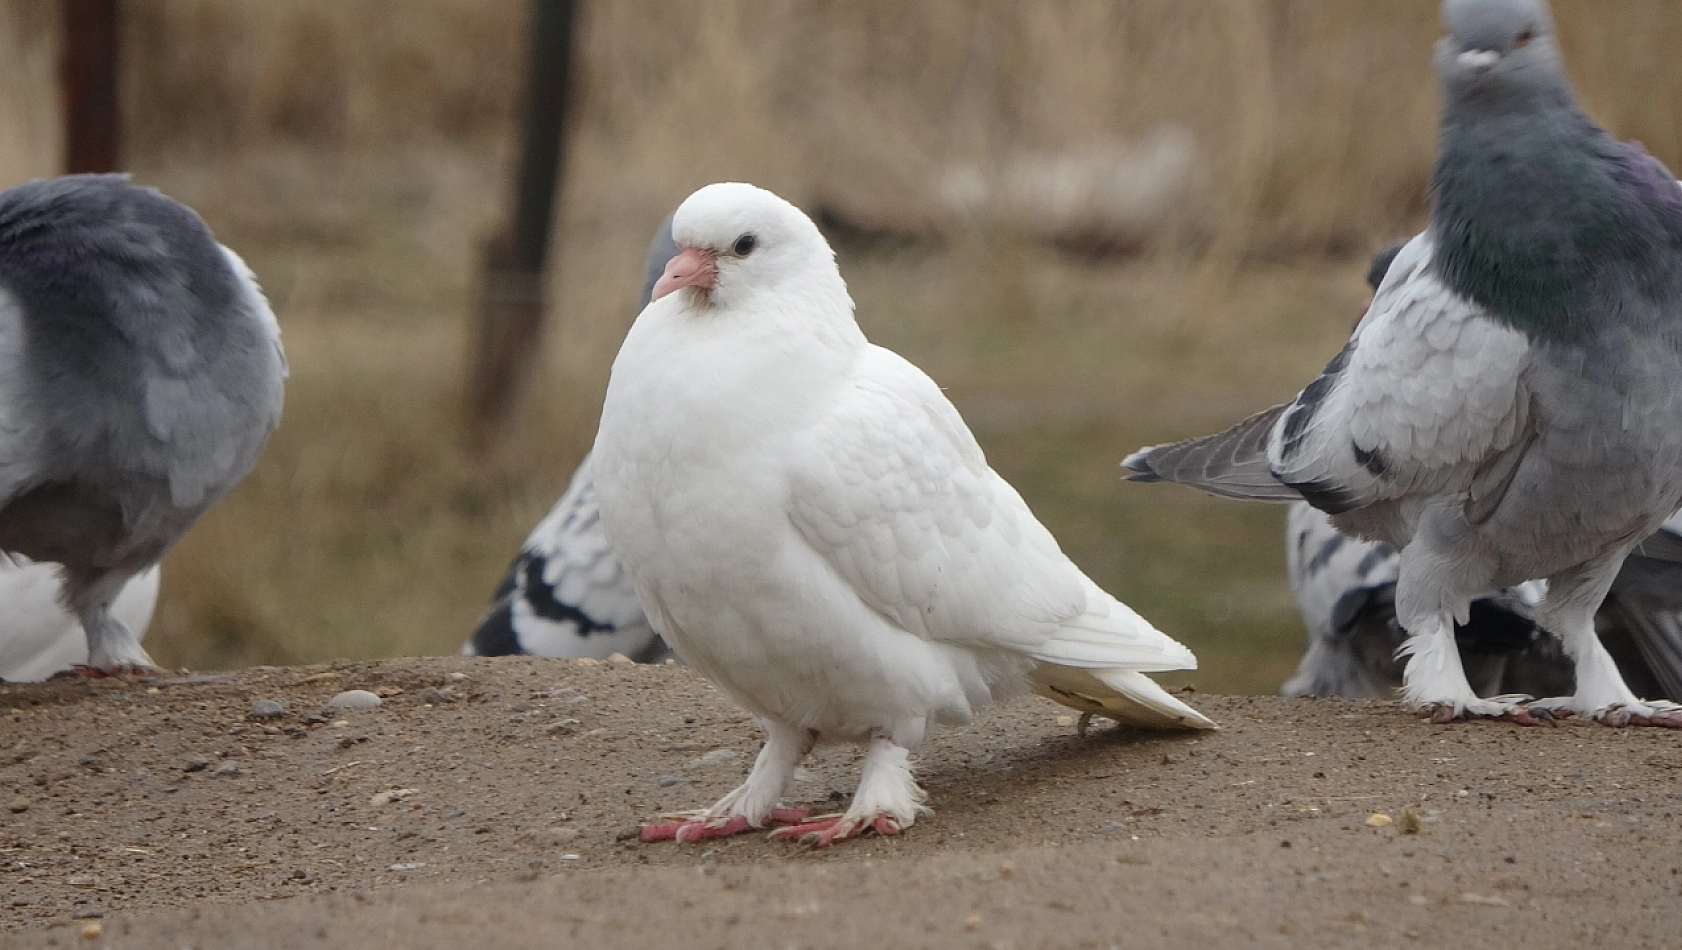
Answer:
(1500, 51)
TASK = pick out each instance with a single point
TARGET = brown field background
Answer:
(356, 153)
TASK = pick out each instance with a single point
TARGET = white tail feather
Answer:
(1128, 697)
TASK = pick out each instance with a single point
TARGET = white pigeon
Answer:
(38, 637)
(810, 524)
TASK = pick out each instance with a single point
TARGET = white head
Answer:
(736, 241)
(1500, 50)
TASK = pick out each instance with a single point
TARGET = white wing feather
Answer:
(895, 494)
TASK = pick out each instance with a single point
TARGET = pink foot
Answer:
(826, 831)
(1619, 716)
(1533, 716)
(83, 671)
(700, 829)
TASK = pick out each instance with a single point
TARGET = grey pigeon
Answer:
(1508, 408)
(1345, 589)
(566, 594)
(140, 376)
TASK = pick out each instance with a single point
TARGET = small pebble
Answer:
(1110, 828)
(381, 799)
(620, 659)
(195, 763)
(1377, 819)
(456, 677)
(92, 930)
(88, 912)
(667, 781)
(268, 709)
(18, 805)
(548, 837)
(433, 696)
(227, 768)
(715, 757)
(354, 699)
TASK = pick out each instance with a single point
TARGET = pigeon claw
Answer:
(1442, 713)
(1654, 714)
(701, 829)
(826, 831)
(121, 671)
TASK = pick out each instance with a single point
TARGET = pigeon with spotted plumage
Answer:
(565, 594)
(1508, 408)
(808, 521)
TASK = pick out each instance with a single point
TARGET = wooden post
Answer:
(88, 78)
(510, 320)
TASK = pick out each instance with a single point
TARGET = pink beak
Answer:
(691, 268)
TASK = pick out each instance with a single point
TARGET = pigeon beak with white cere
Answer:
(1479, 59)
(693, 267)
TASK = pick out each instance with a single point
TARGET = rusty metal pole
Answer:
(88, 78)
(510, 320)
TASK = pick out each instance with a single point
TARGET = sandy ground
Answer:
(493, 803)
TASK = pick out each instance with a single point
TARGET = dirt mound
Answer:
(493, 802)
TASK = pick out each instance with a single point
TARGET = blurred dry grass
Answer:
(356, 156)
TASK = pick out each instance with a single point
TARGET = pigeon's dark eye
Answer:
(1523, 39)
(745, 245)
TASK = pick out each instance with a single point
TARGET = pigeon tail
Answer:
(1232, 464)
(1126, 696)
(1097, 662)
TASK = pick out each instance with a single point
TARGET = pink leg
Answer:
(826, 831)
(700, 829)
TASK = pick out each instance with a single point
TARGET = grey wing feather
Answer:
(1231, 463)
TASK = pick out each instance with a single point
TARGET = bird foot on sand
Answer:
(824, 832)
(701, 829)
(1662, 714)
(1487, 709)
(121, 671)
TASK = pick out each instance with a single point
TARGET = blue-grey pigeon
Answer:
(1345, 589)
(565, 594)
(1508, 408)
(140, 376)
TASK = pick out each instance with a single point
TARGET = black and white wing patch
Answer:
(566, 595)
